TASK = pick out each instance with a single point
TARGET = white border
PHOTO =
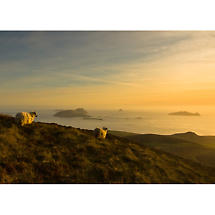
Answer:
(107, 199)
(107, 15)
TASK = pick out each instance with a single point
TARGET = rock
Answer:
(79, 112)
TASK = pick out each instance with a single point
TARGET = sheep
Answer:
(100, 133)
(24, 118)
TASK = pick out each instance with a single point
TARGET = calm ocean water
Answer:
(158, 122)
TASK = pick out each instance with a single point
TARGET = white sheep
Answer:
(24, 118)
(100, 133)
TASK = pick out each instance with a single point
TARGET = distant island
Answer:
(79, 112)
(184, 113)
(92, 118)
(139, 117)
(120, 110)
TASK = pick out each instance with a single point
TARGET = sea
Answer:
(144, 121)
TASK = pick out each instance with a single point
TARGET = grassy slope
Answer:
(187, 145)
(49, 153)
(121, 133)
(206, 141)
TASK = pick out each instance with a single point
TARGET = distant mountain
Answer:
(184, 113)
(187, 145)
(50, 153)
(79, 112)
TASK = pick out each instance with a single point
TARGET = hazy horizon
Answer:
(145, 120)
(166, 108)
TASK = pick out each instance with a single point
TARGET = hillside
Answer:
(187, 145)
(50, 153)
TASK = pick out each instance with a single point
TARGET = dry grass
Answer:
(200, 149)
(49, 153)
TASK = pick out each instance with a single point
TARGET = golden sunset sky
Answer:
(107, 69)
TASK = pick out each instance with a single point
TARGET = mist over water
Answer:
(138, 121)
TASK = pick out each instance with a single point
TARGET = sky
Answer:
(107, 69)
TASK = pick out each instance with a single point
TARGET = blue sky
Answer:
(90, 54)
(42, 62)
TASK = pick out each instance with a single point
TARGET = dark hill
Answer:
(50, 153)
(187, 145)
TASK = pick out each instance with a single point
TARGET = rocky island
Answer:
(92, 118)
(79, 112)
(184, 113)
